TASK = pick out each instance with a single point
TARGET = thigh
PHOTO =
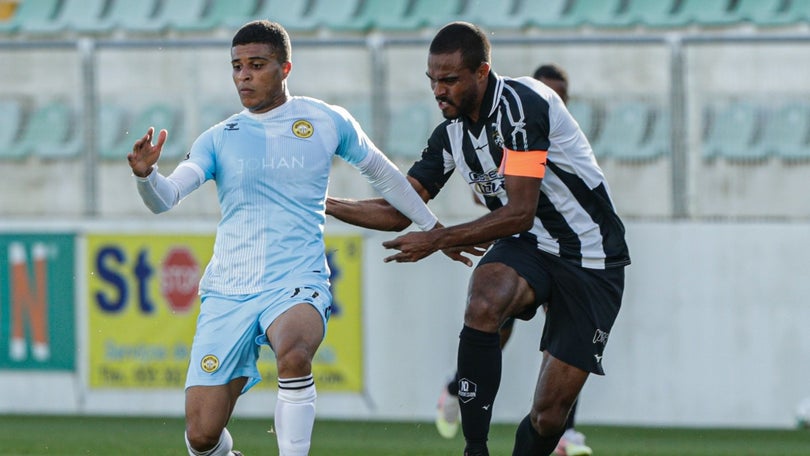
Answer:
(583, 307)
(224, 345)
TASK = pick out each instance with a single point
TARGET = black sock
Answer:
(479, 376)
(529, 443)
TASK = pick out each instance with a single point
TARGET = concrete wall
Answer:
(713, 332)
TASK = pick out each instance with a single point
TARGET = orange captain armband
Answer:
(525, 164)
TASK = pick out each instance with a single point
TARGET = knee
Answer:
(483, 314)
(201, 439)
(295, 362)
(549, 420)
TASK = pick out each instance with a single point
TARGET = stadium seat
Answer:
(798, 10)
(408, 130)
(584, 113)
(159, 115)
(787, 131)
(763, 12)
(36, 11)
(389, 15)
(340, 15)
(110, 142)
(705, 12)
(593, 12)
(624, 128)
(495, 14)
(651, 14)
(289, 13)
(230, 14)
(656, 142)
(733, 129)
(72, 16)
(544, 13)
(433, 14)
(50, 132)
(131, 16)
(11, 111)
(177, 14)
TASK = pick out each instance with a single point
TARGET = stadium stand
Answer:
(290, 13)
(592, 12)
(409, 126)
(585, 114)
(30, 11)
(649, 14)
(110, 132)
(430, 13)
(733, 131)
(763, 12)
(544, 13)
(159, 115)
(49, 132)
(704, 12)
(71, 16)
(128, 16)
(787, 132)
(336, 16)
(656, 142)
(11, 111)
(387, 15)
(624, 129)
(495, 14)
(230, 14)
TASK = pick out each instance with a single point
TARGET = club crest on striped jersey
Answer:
(302, 129)
(209, 363)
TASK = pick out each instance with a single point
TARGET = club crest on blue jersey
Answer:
(302, 129)
(209, 363)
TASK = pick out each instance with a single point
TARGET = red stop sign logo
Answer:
(179, 280)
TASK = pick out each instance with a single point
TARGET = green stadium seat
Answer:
(408, 129)
(230, 14)
(544, 13)
(585, 113)
(289, 13)
(71, 16)
(50, 132)
(433, 14)
(161, 116)
(705, 12)
(763, 12)
(333, 15)
(656, 142)
(624, 128)
(651, 14)
(798, 10)
(110, 133)
(389, 15)
(177, 14)
(131, 16)
(593, 12)
(495, 14)
(787, 132)
(37, 11)
(733, 129)
(11, 111)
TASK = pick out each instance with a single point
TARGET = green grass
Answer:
(81, 435)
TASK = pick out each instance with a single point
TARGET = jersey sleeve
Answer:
(353, 143)
(436, 164)
(202, 152)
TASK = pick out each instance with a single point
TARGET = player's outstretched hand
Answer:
(144, 154)
(457, 253)
(412, 246)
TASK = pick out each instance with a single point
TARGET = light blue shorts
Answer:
(230, 330)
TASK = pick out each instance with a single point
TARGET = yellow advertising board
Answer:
(143, 304)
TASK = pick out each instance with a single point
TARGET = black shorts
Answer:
(582, 303)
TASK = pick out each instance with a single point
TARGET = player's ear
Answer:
(286, 67)
(483, 71)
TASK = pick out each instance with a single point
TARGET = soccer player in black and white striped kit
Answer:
(557, 237)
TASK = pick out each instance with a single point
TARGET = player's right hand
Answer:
(144, 154)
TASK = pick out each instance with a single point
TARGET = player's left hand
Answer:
(412, 246)
(458, 253)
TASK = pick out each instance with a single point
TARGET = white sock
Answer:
(222, 448)
(295, 415)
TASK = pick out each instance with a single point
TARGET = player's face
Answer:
(258, 76)
(458, 89)
(559, 86)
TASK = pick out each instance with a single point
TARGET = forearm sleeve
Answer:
(161, 193)
(395, 188)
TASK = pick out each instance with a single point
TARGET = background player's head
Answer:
(458, 68)
(555, 77)
(260, 57)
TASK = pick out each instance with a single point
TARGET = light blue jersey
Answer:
(272, 172)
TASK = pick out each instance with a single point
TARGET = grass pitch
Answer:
(82, 436)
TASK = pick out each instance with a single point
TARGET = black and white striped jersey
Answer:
(575, 216)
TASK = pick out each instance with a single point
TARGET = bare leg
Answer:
(208, 409)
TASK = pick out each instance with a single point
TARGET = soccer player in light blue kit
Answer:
(268, 280)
